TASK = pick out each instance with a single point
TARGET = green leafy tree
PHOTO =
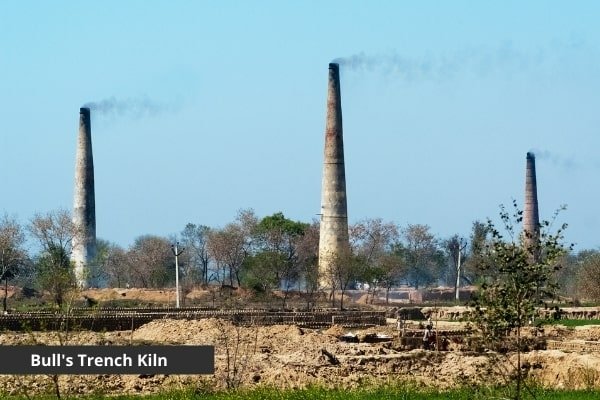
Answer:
(276, 262)
(280, 239)
(260, 271)
(55, 273)
(520, 277)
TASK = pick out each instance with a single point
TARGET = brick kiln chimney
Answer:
(333, 239)
(531, 217)
(84, 208)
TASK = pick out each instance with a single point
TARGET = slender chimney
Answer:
(531, 217)
(84, 208)
(333, 239)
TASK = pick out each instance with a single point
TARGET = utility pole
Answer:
(177, 253)
(461, 247)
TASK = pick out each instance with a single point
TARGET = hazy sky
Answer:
(221, 106)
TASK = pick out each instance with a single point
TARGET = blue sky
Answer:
(441, 102)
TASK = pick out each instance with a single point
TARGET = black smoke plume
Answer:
(557, 160)
(135, 107)
(480, 61)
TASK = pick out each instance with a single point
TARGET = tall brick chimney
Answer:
(84, 208)
(531, 216)
(333, 240)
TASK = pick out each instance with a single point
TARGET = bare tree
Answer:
(372, 238)
(344, 269)
(390, 268)
(455, 249)
(423, 255)
(150, 261)
(195, 239)
(113, 263)
(308, 258)
(373, 241)
(589, 275)
(239, 347)
(475, 257)
(12, 253)
(54, 232)
(230, 246)
(54, 229)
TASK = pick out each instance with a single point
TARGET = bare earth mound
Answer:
(287, 356)
(159, 296)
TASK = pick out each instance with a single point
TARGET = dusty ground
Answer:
(160, 296)
(287, 356)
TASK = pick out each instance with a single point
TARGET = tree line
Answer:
(266, 254)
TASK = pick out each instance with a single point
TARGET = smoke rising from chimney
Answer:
(567, 163)
(134, 107)
(474, 60)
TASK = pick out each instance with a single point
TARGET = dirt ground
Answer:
(160, 296)
(287, 356)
